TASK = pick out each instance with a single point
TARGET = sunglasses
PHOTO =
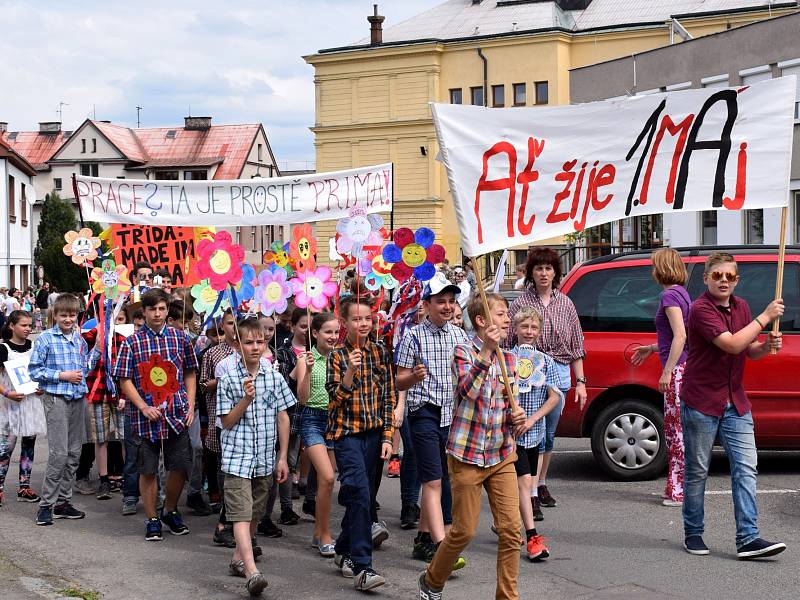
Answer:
(718, 276)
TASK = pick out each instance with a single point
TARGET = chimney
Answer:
(49, 127)
(3, 126)
(375, 27)
(573, 4)
(197, 123)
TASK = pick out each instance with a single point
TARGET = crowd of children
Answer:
(258, 409)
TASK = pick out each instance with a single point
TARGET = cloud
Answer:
(240, 63)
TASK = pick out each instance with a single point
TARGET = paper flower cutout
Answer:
(278, 256)
(205, 298)
(110, 279)
(81, 246)
(159, 378)
(220, 261)
(273, 292)
(413, 253)
(314, 288)
(357, 231)
(380, 275)
(303, 247)
(247, 286)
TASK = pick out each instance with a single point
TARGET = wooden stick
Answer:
(499, 352)
(776, 324)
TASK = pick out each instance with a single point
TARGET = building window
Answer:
(253, 239)
(94, 144)
(196, 175)
(754, 226)
(519, 94)
(12, 200)
(83, 145)
(498, 96)
(455, 96)
(23, 206)
(24, 276)
(715, 82)
(542, 92)
(476, 96)
(259, 152)
(57, 184)
(708, 228)
(167, 175)
(90, 170)
(239, 235)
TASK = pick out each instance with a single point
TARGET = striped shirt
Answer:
(561, 334)
(432, 346)
(481, 432)
(172, 345)
(211, 359)
(53, 352)
(543, 379)
(369, 403)
(248, 448)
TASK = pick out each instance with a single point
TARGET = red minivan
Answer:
(616, 299)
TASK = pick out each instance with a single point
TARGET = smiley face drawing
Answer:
(220, 262)
(414, 255)
(525, 366)
(158, 376)
(81, 246)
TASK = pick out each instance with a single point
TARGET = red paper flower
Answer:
(159, 379)
(303, 247)
(220, 261)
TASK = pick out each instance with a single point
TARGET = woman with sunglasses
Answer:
(671, 318)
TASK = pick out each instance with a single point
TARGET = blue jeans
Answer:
(356, 456)
(130, 473)
(550, 424)
(409, 482)
(736, 434)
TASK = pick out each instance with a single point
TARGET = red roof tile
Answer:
(6, 151)
(37, 148)
(124, 139)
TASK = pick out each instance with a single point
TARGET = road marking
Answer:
(572, 451)
(729, 492)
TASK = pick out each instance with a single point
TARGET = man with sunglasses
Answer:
(722, 335)
(142, 279)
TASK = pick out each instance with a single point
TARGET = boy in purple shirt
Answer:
(722, 334)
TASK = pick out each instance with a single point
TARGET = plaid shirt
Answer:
(286, 358)
(370, 402)
(211, 359)
(481, 432)
(174, 346)
(561, 336)
(54, 352)
(432, 346)
(96, 378)
(544, 379)
(248, 448)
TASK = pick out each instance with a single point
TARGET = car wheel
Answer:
(628, 440)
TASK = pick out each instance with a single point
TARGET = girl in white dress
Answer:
(20, 415)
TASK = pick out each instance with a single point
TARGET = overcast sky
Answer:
(238, 61)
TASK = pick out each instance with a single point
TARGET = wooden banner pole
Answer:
(776, 324)
(499, 352)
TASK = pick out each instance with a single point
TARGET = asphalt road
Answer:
(607, 540)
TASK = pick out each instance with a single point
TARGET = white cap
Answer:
(438, 285)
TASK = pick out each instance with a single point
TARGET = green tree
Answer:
(58, 217)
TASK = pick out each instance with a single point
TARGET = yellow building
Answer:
(372, 96)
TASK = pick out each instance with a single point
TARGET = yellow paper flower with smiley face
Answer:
(81, 246)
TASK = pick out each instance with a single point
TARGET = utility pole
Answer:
(138, 121)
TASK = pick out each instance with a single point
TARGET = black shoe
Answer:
(694, 544)
(104, 491)
(537, 509)
(152, 531)
(408, 518)
(174, 521)
(759, 548)
(288, 517)
(424, 548)
(267, 528)
(224, 537)
(310, 508)
(198, 504)
(44, 516)
(545, 497)
(65, 510)
(257, 551)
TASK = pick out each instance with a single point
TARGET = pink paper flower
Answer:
(220, 261)
(314, 288)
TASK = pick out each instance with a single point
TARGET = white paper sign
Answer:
(17, 370)
(273, 201)
(519, 175)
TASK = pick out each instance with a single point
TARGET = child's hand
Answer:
(281, 471)
(309, 356)
(249, 389)
(386, 451)
(518, 416)
(121, 404)
(398, 415)
(420, 373)
(16, 396)
(71, 376)
(151, 413)
(39, 392)
(354, 360)
(493, 336)
(520, 430)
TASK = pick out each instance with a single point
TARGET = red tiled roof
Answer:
(37, 148)
(232, 143)
(124, 139)
(6, 151)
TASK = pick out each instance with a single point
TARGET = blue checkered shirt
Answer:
(174, 346)
(248, 448)
(533, 399)
(53, 352)
(432, 346)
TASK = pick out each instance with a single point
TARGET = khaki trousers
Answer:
(467, 481)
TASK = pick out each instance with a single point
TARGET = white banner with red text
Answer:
(273, 201)
(519, 175)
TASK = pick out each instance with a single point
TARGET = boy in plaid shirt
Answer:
(362, 391)
(481, 453)
(250, 399)
(163, 428)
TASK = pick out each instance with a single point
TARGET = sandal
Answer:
(236, 568)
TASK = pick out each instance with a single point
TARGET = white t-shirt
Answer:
(519, 284)
(10, 304)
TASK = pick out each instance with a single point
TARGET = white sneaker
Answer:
(380, 533)
(671, 502)
(344, 564)
(368, 580)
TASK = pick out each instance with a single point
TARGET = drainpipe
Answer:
(8, 222)
(485, 77)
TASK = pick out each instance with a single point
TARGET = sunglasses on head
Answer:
(719, 275)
